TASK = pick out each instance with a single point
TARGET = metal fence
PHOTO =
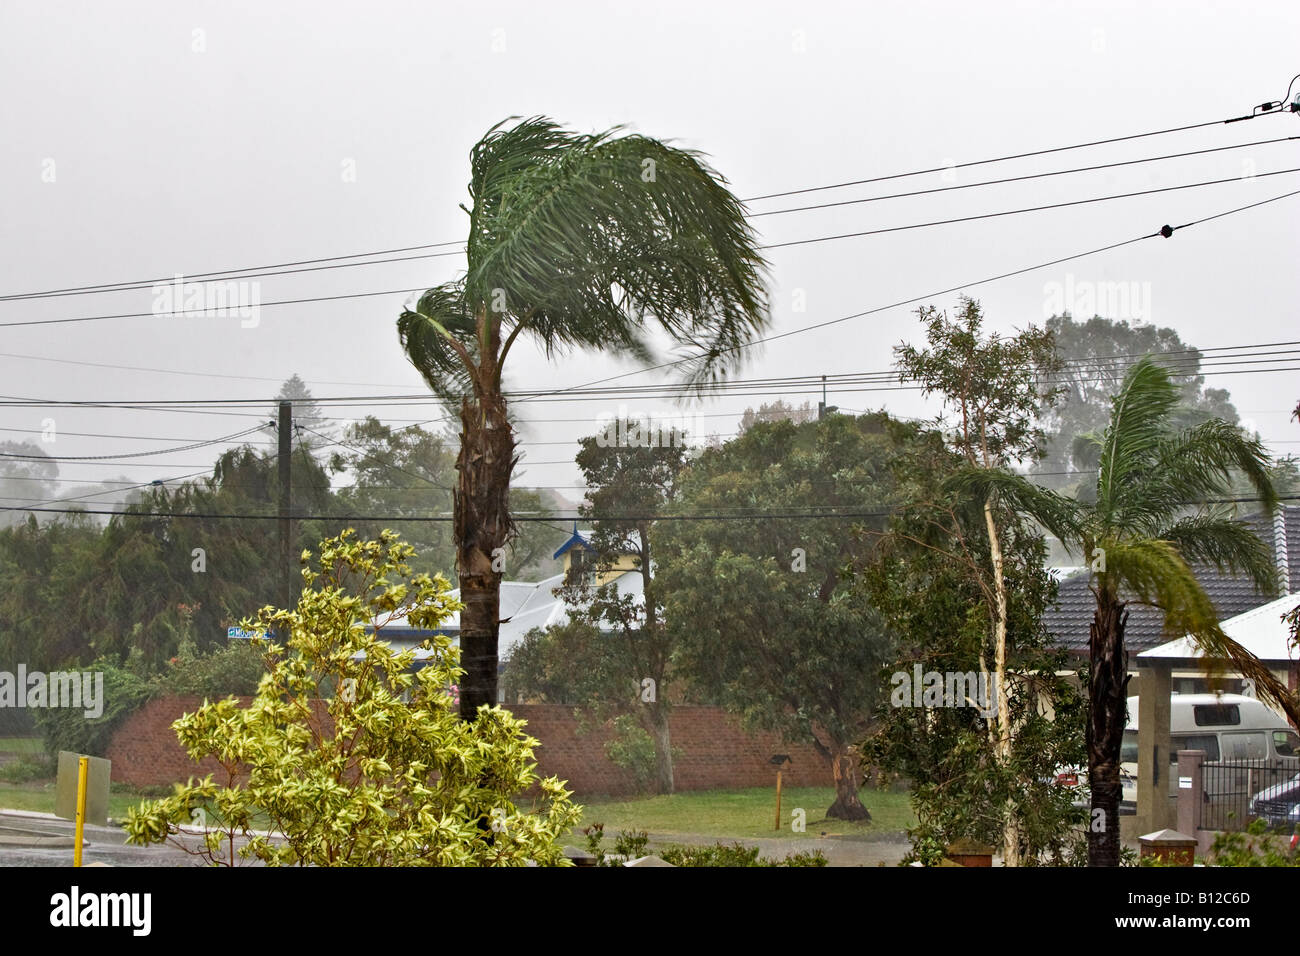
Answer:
(1235, 792)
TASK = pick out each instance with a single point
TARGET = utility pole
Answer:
(822, 407)
(287, 601)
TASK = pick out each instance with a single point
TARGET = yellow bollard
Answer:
(778, 801)
(83, 774)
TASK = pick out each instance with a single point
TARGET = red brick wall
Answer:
(144, 750)
(715, 751)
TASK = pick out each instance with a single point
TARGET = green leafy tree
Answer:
(1139, 527)
(993, 385)
(159, 555)
(398, 472)
(1099, 352)
(930, 576)
(27, 478)
(43, 574)
(779, 410)
(381, 773)
(569, 663)
(767, 622)
(638, 481)
(68, 728)
(576, 241)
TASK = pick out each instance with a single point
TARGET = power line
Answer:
(252, 272)
(145, 283)
(710, 516)
(188, 374)
(932, 295)
(572, 389)
(1181, 362)
(138, 454)
(1003, 159)
(372, 456)
(106, 491)
(1016, 179)
(99, 481)
(41, 431)
(1026, 209)
(184, 280)
(779, 245)
(145, 315)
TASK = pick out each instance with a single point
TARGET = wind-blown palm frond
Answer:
(1138, 425)
(1248, 665)
(588, 238)
(436, 335)
(1158, 575)
(1199, 463)
(1056, 513)
(1229, 545)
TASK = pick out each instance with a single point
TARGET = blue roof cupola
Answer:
(575, 540)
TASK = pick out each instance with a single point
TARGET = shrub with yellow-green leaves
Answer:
(348, 755)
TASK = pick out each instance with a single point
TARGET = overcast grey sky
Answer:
(146, 139)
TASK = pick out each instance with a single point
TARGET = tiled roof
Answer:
(1068, 621)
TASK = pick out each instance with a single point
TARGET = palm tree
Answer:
(1139, 528)
(583, 241)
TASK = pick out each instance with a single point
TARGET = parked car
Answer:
(1077, 779)
(1225, 726)
(1278, 805)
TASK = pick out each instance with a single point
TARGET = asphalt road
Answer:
(20, 831)
(107, 845)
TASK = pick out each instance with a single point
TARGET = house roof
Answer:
(1069, 619)
(524, 606)
(1260, 631)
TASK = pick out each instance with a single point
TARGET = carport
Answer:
(1260, 631)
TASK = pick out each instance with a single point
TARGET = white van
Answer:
(1225, 726)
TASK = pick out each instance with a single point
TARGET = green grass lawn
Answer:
(743, 813)
(39, 796)
(724, 814)
(21, 745)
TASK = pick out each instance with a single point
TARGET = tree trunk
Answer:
(482, 529)
(1011, 822)
(658, 722)
(844, 769)
(663, 748)
(1107, 703)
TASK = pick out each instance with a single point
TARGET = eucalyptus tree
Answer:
(576, 241)
(994, 386)
(1139, 527)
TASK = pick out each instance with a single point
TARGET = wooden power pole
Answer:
(287, 601)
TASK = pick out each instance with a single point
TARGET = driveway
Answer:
(42, 839)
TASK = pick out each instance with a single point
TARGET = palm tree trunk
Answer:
(482, 523)
(1107, 705)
